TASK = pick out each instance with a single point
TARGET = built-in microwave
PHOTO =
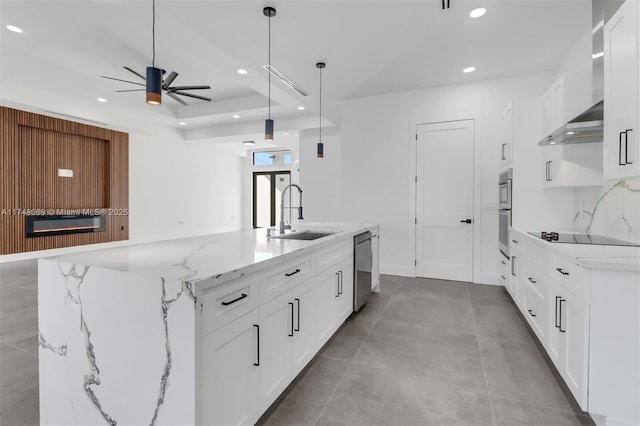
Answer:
(505, 184)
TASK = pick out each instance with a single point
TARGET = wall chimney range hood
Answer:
(587, 127)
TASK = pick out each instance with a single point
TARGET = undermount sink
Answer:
(305, 235)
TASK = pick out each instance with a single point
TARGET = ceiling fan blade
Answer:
(191, 96)
(119, 79)
(167, 81)
(132, 90)
(139, 75)
(174, 88)
(175, 98)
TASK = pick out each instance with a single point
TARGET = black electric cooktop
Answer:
(555, 237)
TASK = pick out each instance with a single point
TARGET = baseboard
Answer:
(489, 279)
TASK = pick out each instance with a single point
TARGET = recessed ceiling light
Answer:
(469, 69)
(597, 55)
(182, 123)
(14, 29)
(248, 143)
(242, 72)
(300, 108)
(236, 116)
(286, 133)
(101, 100)
(476, 13)
(552, 143)
(571, 132)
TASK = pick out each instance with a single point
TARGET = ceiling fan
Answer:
(155, 83)
(154, 78)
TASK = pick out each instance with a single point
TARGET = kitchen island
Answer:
(203, 330)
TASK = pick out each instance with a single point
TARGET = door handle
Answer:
(531, 313)
(234, 300)
(532, 281)
(466, 221)
(561, 271)
(513, 265)
(291, 334)
(298, 327)
(338, 285)
(503, 156)
(560, 322)
(626, 147)
(556, 320)
(257, 364)
(292, 273)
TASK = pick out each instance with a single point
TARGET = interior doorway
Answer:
(267, 196)
(445, 200)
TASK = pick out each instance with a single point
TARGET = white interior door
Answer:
(444, 200)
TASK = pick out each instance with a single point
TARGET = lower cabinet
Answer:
(230, 376)
(569, 340)
(250, 361)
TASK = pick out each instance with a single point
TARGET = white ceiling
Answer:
(370, 47)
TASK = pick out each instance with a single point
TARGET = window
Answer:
(272, 158)
(267, 196)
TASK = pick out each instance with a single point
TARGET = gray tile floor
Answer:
(430, 352)
(422, 352)
(19, 343)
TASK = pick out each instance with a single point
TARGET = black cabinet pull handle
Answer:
(466, 221)
(298, 327)
(503, 277)
(257, 364)
(338, 285)
(626, 147)
(291, 334)
(234, 300)
(293, 273)
(531, 280)
(560, 322)
(531, 313)
(556, 319)
(515, 241)
(561, 271)
(620, 163)
(513, 265)
(503, 262)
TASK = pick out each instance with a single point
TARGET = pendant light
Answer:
(269, 12)
(320, 152)
(154, 75)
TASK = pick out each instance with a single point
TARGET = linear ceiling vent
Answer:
(76, 117)
(285, 79)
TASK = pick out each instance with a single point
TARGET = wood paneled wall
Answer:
(32, 149)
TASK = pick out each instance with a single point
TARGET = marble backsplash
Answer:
(612, 210)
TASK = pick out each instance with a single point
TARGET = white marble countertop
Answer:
(197, 258)
(619, 258)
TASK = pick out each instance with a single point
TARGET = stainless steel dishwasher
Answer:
(362, 270)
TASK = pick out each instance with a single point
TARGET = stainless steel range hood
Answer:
(587, 127)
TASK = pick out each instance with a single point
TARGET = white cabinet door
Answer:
(375, 268)
(344, 305)
(575, 323)
(325, 293)
(230, 376)
(304, 344)
(276, 334)
(506, 146)
(621, 157)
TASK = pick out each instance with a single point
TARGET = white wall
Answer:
(376, 155)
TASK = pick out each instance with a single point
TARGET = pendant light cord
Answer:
(269, 67)
(153, 35)
(320, 117)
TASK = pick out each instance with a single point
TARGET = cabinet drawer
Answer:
(226, 302)
(285, 276)
(573, 278)
(534, 251)
(330, 256)
(536, 309)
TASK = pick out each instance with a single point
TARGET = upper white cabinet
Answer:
(568, 97)
(506, 136)
(621, 154)
(571, 165)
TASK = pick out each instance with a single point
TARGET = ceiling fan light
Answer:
(268, 129)
(154, 86)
